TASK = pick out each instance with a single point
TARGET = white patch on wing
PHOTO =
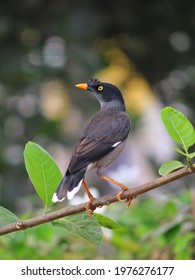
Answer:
(74, 191)
(116, 144)
(56, 199)
(90, 166)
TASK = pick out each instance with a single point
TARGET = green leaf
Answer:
(7, 217)
(105, 221)
(83, 226)
(191, 155)
(42, 171)
(180, 151)
(170, 166)
(178, 127)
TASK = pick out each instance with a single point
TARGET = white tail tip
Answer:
(56, 199)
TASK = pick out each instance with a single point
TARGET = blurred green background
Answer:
(147, 49)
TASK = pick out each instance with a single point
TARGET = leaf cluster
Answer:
(45, 177)
(182, 132)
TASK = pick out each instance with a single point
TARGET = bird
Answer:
(100, 143)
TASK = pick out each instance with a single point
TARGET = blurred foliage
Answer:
(145, 48)
(148, 230)
(157, 230)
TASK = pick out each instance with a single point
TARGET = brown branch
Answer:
(98, 202)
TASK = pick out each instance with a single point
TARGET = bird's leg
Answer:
(91, 198)
(123, 188)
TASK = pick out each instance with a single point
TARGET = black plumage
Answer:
(100, 142)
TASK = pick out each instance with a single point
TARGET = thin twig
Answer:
(98, 202)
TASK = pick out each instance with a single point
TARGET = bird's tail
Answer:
(69, 185)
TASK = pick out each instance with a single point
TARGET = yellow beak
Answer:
(82, 86)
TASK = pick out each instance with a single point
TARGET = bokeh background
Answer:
(147, 49)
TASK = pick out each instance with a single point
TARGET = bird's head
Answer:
(107, 94)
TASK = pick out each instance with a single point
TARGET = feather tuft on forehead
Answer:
(92, 81)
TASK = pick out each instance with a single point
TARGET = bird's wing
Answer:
(100, 137)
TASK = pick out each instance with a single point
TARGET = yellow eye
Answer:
(100, 88)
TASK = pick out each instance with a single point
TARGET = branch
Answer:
(98, 202)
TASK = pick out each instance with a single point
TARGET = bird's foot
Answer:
(128, 200)
(119, 194)
(89, 207)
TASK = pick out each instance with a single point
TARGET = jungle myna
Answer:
(100, 143)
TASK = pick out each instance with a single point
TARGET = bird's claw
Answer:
(127, 201)
(119, 194)
(89, 207)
